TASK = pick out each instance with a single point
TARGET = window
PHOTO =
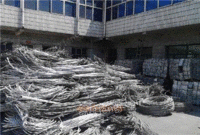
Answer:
(146, 52)
(82, 12)
(177, 1)
(176, 52)
(6, 47)
(30, 4)
(91, 10)
(57, 6)
(98, 15)
(89, 13)
(15, 3)
(129, 8)
(108, 3)
(151, 4)
(139, 6)
(45, 5)
(130, 53)
(194, 50)
(164, 2)
(108, 14)
(89, 2)
(116, 2)
(0, 1)
(114, 12)
(183, 51)
(98, 3)
(70, 9)
(82, 1)
(121, 10)
(79, 52)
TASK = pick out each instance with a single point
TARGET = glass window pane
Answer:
(84, 51)
(177, 51)
(82, 1)
(108, 14)
(57, 6)
(151, 4)
(108, 3)
(73, 51)
(116, 2)
(82, 11)
(9, 47)
(15, 3)
(164, 2)
(44, 5)
(139, 6)
(89, 13)
(70, 9)
(0, 1)
(89, 2)
(3, 48)
(194, 50)
(146, 53)
(114, 12)
(130, 53)
(98, 3)
(30, 4)
(98, 15)
(121, 10)
(177, 1)
(129, 8)
(78, 51)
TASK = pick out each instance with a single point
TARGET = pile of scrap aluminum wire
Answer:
(46, 94)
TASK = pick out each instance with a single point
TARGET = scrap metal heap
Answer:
(47, 94)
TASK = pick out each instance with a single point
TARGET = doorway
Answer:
(111, 56)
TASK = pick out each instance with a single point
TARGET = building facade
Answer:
(112, 30)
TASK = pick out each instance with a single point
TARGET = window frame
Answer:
(186, 54)
(93, 8)
(111, 6)
(145, 56)
(81, 55)
(14, 3)
(71, 2)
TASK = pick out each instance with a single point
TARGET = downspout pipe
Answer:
(76, 33)
(20, 30)
(104, 19)
(22, 11)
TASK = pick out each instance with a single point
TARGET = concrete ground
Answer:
(178, 123)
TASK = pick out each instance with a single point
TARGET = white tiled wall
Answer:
(90, 28)
(10, 16)
(44, 21)
(180, 14)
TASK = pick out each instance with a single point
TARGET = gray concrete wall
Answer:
(158, 40)
(37, 40)
(176, 15)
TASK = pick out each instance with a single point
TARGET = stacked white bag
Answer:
(187, 91)
(180, 69)
(155, 67)
(195, 69)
